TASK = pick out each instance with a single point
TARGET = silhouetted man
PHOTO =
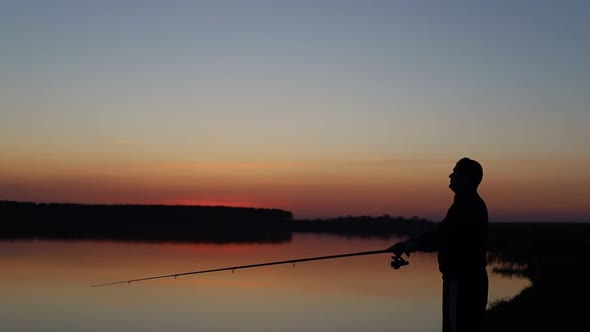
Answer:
(461, 242)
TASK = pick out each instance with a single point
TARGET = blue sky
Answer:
(84, 84)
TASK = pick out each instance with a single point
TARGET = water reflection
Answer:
(46, 286)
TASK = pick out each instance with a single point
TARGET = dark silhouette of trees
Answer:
(364, 226)
(185, 223)
(144, 222)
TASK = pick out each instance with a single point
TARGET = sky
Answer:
(322, 108)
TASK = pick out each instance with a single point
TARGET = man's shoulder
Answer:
(472, 204)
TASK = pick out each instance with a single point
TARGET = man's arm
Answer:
(428, 242)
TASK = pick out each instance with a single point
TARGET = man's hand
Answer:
(404, 247)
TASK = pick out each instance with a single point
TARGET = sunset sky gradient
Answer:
(323, 108)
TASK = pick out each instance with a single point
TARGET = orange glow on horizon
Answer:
(523, 190)
(199, 202)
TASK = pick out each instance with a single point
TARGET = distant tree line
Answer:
(144, 222)
(365, 226)
(186, 223)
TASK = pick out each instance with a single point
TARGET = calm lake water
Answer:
(46, 286)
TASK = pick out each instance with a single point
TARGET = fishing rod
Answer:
(396, 263)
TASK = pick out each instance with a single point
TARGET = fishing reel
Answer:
(397, 262)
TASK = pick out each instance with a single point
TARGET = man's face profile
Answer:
(459, 180)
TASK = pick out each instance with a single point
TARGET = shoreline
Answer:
(553, 258)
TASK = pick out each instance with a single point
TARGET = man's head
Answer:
(466, 176)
